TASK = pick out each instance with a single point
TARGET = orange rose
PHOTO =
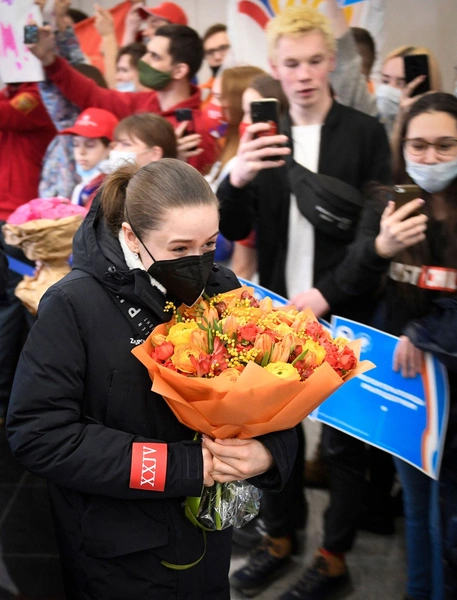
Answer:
(181, 358)
(230, 373)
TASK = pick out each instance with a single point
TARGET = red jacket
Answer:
(25, 132)
(85, 93)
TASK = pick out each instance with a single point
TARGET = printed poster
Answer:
(17, 63)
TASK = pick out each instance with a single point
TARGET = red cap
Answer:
(166, 10)
(93, 123)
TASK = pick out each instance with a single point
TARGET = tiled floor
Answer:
(29, 566)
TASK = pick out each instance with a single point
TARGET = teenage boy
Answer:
(305, 208)
(173, 57)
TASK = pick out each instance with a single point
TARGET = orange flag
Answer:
(90, 39)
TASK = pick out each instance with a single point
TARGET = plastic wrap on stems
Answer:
(231, 504)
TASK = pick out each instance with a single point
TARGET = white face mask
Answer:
(432, 178)
(125, 86)
(117, 158)
(388, 100)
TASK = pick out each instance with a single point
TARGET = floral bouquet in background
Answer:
(233, 366)
(43, 228)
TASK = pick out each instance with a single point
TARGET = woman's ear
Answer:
(156, 153)
(130, 238)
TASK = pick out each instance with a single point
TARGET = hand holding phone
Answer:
(266, 110)
(188, 140)
(402, 225)
(403, 195)
(30, 34)
(417, 65)
(185, 114)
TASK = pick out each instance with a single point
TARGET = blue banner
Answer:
(405, 417)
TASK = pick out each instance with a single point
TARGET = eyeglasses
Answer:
(446, 146)
(220, 50)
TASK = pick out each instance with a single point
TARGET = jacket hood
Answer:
(98, 252)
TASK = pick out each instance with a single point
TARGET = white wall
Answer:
(430, 23)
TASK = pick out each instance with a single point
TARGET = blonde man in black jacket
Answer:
(301, 191)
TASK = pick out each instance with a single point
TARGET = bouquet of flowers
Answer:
(43, 228)
(233, 366)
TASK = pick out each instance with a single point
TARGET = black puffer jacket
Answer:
(79, 402)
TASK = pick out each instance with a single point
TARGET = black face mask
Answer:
(215, 70)
(184, 278)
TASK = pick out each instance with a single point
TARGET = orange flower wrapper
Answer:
(237, 396)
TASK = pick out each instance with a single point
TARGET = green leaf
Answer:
(300, 357)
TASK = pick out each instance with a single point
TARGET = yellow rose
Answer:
(283, 370)
(181, 333)
(282, 330)
(314, 348)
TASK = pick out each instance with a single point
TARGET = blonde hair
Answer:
(295, 21)
(434, 69)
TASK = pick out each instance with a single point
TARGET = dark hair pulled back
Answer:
(146, 194)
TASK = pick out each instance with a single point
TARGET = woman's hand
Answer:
(407, 99)
(208, 467)
(398, 230)
(235, 459)
(407, 358)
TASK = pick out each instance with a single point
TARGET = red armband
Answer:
(149, 466)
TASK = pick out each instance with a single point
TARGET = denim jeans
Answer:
(421, 498)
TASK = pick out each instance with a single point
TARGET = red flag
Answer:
(90, 39)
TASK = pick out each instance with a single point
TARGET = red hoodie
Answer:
(85, 93)
(26, 130)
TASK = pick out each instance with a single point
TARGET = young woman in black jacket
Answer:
(82, 414)
(419, 255)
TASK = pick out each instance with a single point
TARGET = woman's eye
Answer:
(179, 250)
(210, 244)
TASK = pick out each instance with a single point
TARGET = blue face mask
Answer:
(432, 178)
(125, 86)
(87, 176)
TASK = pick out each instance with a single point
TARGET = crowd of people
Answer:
(177, 179)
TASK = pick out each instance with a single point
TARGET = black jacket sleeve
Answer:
(3, 269)
(44, 422)
(361, 270)
(283, 448)
(237, 210)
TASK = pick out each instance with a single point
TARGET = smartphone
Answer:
(402, 194)
(266, 110)
(185, 114)
(30, 34)
(415, 65)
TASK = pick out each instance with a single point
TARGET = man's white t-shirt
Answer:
(300, 247)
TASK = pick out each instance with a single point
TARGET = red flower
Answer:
(315, 331)
(164, 351)
(248, 333)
